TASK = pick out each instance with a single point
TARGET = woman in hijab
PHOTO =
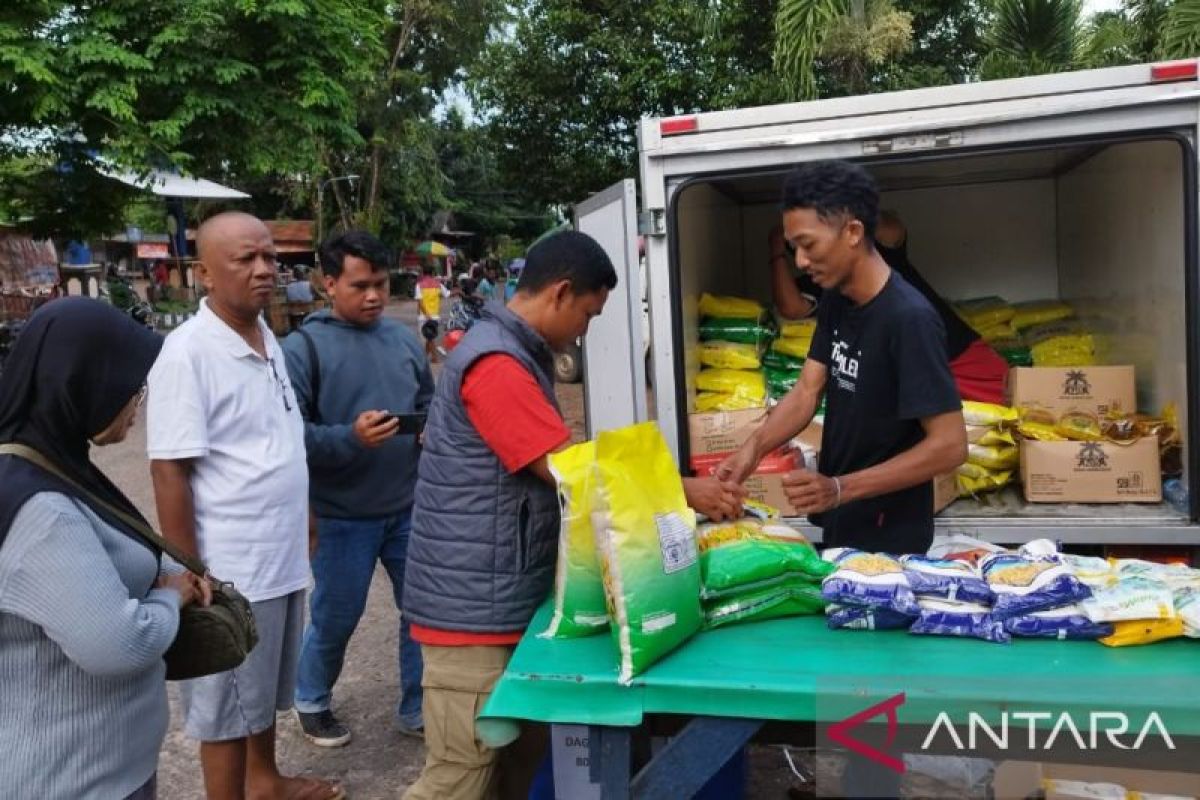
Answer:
(86, 612)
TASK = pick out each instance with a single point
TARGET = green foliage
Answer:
(1181, 31)
(1030, 37)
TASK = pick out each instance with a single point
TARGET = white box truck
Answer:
(1080, 186)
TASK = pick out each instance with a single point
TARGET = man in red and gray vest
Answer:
(486, 516)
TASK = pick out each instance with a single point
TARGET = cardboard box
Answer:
(1097, 390)
(1016, 780)
(766, 484)
(726, 431)
(1091, 472)
(723, 431)
(945, 490)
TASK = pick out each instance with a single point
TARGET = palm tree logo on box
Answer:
(1091, 457)
(1076, 384)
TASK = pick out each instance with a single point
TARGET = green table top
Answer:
(798, 669)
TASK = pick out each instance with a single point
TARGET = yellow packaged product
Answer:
(727, 307)
(798, 328)
(995, 437)
(1079, 426)
(797, 346)
(1143, 631)
(993, 456)
(729, 355)
(1062, 353)
(740, 382)
(1039, 425)
(1036, 312)
(719, 401)
(988, 414)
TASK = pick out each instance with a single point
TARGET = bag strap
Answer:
(136, 525)
(315, 414)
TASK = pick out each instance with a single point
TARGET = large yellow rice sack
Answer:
(798, 328)
(719, 401)
(988, 415)
(797, 346)
(646, 537)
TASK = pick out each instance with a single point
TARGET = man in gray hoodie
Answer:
(352, 371)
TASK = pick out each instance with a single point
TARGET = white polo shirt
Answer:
(212, 398)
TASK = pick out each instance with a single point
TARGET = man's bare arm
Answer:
(173, 500)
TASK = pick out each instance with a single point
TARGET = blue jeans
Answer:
(347, 550)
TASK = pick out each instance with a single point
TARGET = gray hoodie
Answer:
(381, 366)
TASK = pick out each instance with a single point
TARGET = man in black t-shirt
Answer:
(979, 371)
(893, 417)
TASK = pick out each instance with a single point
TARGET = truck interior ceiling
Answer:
(1106, 226)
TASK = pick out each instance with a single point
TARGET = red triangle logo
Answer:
(840, 732)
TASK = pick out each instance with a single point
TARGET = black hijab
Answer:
(75, 365)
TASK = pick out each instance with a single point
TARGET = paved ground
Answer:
(378, 763)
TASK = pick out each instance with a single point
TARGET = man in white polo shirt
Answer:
(226, 443)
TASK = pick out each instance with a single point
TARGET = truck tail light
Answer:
(1174, 71)
(675, 125)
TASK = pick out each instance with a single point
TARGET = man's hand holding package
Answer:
(811, 492)
(738, 465)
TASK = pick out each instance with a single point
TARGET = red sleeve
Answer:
(507, 407)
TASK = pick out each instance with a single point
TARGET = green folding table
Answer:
(732, 680)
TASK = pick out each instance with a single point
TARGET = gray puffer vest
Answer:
(483, 546)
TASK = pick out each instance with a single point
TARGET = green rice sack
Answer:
(742, 554)
(646, 537)
(579, 605)
(787, 600)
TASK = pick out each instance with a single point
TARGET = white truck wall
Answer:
(968, 241)
(984, 239)
(710, 237)
(1121, 253)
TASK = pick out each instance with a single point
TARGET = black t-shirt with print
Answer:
(887, 369)
(959, 335)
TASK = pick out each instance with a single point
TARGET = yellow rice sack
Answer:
(993, 457)
(1143, 631)
(729, 355)
(579, 603)
(985, 312)
(797, 346)
(1037, 312)
(988, 414)
(646, 538)
(798, 328)
(726, 307)
(985, 481)
(740, 382)
(998, 333)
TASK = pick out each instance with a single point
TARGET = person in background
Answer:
(300, 297)
(429, 293)
(352, 370)
(226, 444)
(980, 373)
(484, 287)
(87, 608)
(486, 515)
(162, 279)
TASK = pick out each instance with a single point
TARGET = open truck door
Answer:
(614, 366)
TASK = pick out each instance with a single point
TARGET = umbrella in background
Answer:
(516, 265)
(436, 249)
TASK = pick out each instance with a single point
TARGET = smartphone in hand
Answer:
(410, 424)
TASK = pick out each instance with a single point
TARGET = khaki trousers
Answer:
(457, 683)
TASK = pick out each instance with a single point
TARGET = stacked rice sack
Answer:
(783, 362)
(993, 455)
(758, 569)
(868, 591)
(1038, 333)
(732, 339)
(954, 598)
(1037, 594)
(1141, 601)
